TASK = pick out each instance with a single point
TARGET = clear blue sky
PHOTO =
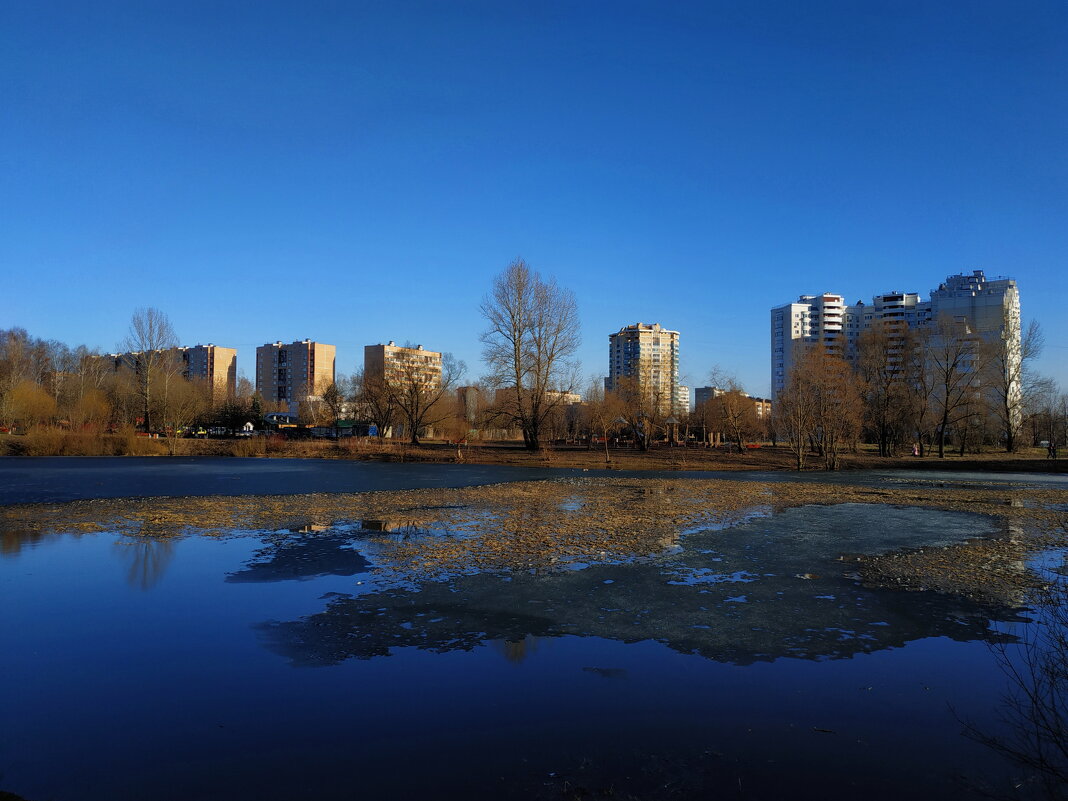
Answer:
(356, 173)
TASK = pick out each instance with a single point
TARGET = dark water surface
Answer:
(741, 663)
(68, 478)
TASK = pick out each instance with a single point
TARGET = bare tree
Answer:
(374, 401)
(794, 410)
(334, 401)
(882, 367)
(179, 401)
(532, 337)
(820, 407)
(150, 336)
(733, 412)
(838, 407)
(18, 359)
(1007, 357)
(953, 360)
(1034, 708)
(30, 405)
(423, 398)
(642, 405)
(603, 410)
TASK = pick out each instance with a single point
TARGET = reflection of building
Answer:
(989, 308)
(213, 365)
(290, 374)
(648, 354)
(395, 363)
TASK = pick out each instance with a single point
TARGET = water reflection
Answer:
(13, 540)
(516, 650)
(1034, 707)
(762, 591)
(146, 560)
(293, 556)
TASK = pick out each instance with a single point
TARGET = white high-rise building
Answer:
(990, 308)
(650, 353)
(812, 319)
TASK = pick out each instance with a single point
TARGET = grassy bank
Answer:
(54, 442)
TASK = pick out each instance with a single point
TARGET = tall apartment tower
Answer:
(990, 309)
(394, 362)
(813, 319)
(292, 373)
(651, 353)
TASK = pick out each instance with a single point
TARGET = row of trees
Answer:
(46, 382)
(924, 388)
(903, 387)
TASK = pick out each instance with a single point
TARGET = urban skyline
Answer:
(915, 301)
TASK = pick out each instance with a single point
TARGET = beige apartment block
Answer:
(213, 365)
(210, 364)
(395, 363)
(649, 353)
(290, 374)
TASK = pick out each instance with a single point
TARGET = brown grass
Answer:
(54, 442)
(59, 442)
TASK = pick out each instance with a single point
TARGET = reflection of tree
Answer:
(148, 559)
(13, 540)
(517, 650)
(300, 557)
(739, 596)
(1034, 710)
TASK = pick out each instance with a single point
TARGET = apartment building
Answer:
(813, 319)
(649, 353)
(393, 362)
(682, 400)
(989, 308)
(211, 364)
(290, 374)
(215, 366)
(761, 406)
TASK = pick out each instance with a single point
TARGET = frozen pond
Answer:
(754, 661)
(66, 478)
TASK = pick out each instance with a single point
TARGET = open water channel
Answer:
(741, 662)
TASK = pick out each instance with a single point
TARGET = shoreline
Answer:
(765, 459)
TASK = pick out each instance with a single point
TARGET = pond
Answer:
(787, 652)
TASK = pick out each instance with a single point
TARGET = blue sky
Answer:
(356, 173)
